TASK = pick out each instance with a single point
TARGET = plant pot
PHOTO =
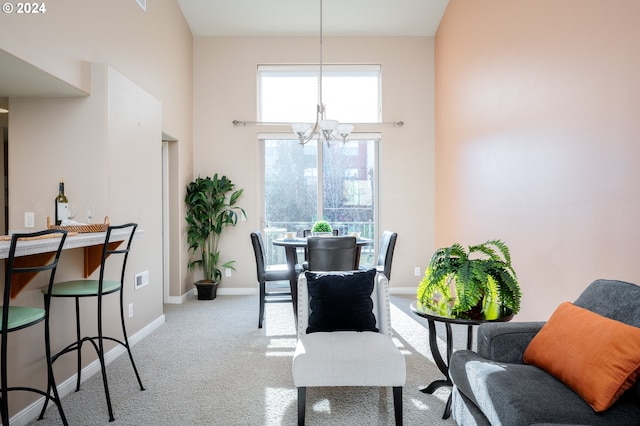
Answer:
(322, 234)
(206, 290)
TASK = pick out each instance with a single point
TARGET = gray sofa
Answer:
(494, 386)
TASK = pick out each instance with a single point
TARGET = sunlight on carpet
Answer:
(229, 372)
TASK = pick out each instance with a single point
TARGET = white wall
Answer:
(225, 79)
(152, 48)
(108, 149)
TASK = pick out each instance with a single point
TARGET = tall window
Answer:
(336, 183)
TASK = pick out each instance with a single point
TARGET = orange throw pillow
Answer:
(597, 357)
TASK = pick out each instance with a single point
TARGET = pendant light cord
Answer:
(320, 105)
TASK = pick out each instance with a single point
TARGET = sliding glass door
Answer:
(303, 184)
(335, 182)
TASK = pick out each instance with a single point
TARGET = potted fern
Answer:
(476, 282)
(211, 208)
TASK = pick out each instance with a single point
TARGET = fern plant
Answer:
(461, 280)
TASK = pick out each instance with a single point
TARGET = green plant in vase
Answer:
(322, 226)
(474, 282)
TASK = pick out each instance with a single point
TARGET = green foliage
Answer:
(481, 271)
(321, 226)
(210, 209)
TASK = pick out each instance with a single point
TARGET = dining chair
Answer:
(308, 233)
(18, 271)
(385, 253)
(267, 274)
(332, 253)
(97, 288)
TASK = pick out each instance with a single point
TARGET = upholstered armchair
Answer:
(578, 368)
(344, 335)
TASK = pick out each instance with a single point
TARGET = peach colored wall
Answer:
(537, 126)
(153, 49)
(225, 89)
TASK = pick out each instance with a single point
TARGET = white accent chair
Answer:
(348, 358)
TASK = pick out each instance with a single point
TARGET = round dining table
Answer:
(291, 246)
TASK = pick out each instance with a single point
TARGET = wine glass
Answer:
(73, 211)
(90, 211)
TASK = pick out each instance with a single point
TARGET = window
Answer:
(290, 93)
(334, 182)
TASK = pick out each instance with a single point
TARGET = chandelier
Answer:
(323, 129)
(327, 130)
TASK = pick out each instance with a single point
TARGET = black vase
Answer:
(206, 291)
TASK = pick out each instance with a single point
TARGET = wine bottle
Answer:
(62, 205)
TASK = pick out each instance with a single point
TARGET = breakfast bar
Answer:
(39, 250)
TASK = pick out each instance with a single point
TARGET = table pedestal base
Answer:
(442, 366)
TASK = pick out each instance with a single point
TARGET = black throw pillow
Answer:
(341, 301)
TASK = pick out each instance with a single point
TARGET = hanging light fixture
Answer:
(327, 130)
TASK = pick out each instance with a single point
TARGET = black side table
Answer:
(419, 309)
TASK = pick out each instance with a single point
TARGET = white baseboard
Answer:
(32, 411)
(247, 291)
(177, 300)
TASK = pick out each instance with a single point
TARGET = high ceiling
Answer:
(258, 18)
(302, 17)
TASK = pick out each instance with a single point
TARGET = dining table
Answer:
(291, 246)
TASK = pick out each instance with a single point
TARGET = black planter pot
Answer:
(206, 291)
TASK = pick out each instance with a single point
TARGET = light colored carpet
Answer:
(209, 364)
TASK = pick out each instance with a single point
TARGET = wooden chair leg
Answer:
(397, 404)
(302, 397)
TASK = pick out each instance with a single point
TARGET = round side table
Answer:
(504, 314)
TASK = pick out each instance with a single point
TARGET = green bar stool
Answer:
(19, 271)
(78, 289)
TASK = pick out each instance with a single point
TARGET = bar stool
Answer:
(19, 272)
(97, 288)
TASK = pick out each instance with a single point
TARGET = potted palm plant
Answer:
(474, 282)
(211, 207)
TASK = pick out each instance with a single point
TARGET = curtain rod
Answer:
(278, 123)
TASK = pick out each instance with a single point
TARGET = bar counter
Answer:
(45, 245)
(37, 251)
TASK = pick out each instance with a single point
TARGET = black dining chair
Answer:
(19, 271)
(97, 288)
(308, 233)
(332, 253)
(267, 274)
(385, 253)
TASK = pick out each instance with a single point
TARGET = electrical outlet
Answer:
(227, 272)
(130, 310)
(416, 271)
(29, 219)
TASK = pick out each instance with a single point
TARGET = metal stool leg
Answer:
(126, 340)
(51, 383)
(4, 403)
